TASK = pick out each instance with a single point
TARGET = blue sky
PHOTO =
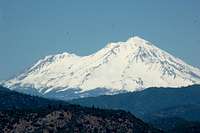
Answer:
(32, 29)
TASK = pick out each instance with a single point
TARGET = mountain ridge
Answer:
(152, 102)
(120, 66)
(22, 113)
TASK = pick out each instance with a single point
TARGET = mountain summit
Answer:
(132, 65)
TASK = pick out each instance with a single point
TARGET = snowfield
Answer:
(122, 66)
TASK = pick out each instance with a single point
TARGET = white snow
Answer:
(132, 65)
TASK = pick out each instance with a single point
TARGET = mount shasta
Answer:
(132, 65)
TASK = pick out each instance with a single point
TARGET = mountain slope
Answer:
(14, 100)
(169, 109)
(72, 119)
(20, 113)
(119, 67)
(153, 102)
(176, 125)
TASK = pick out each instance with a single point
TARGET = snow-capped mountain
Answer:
(122, 66)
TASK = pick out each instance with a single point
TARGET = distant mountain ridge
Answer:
(133, 65)
(153, 102)
(174, 110)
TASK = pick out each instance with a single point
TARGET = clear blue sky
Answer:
(31, 29)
